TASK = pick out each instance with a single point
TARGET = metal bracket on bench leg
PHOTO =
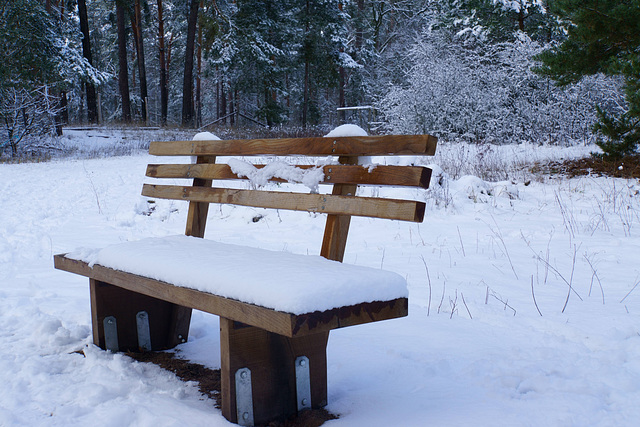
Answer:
(303, 383)
(244, 397)
(111, 334)
(144, 334)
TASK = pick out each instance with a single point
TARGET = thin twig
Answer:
(546, 267)
(429, 283)
(498, 234)
(555, 270)
(534, 297)
(444, 284)
(566, 216)
(506, 303)
(454, 305)
(594, 274)
(461, 244)
(465, 305)
(93, 187)
(573, 267)
(420, 235)
(629, 293)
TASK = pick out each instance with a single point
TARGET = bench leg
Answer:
(168, 322)
(271, 359)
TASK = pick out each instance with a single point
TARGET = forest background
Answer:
(480, 71)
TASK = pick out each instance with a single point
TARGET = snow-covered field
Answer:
(523, 302)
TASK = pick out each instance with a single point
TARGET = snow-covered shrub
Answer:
(25, 117)
(488, 93)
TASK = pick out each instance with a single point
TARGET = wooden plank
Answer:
(109, 300)
(268, 319)
(197, 215)
(179, 323)
(271, 359)
(96, 323)
(405, 210)
(336, 228)
(278, 322)
(410, 176)
(195, 226)
(424, 145)
(350, 316)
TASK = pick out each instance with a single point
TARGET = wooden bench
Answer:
(273, 360)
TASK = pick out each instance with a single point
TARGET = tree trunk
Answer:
(305, 100)
(305, 88)
(164, 88)
(359, 28)
(217, 94)
(223, 102)
(123, 74)
(62, 116)
(521, 20)
(233, 96)
(198, 75)
(342, 115)
(142, 71)
(187, 87)
(92, 106)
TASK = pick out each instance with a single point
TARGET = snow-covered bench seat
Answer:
(279, 285)
(276, 308)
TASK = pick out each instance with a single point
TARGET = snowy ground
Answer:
(491, 339)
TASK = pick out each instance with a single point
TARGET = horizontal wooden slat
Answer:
(282, 323)
(405, 210)
(413, 176)
(317, 146)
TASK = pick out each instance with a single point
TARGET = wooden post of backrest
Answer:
(337, 226)
(197, 216)
(196, 224)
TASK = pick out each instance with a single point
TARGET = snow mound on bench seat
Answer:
(282, 281)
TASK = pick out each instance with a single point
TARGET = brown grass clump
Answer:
(627, 167)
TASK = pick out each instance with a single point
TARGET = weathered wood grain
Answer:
(197, 214)
(406, 210)
(271, 359)
(336, 228)
(287, 324)
(393, 176)
(317, 146)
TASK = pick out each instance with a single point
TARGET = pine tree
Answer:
(188, 110)
(38, 58)
(254, 51)
(123, 68)
(92, 106)
(162, 65)
(603, 36)
(321, 43)
(501, 20)
(136, 23)
(29, 50)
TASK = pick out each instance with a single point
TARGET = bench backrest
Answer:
(345, 176)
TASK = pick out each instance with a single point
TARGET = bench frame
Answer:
(278, 358)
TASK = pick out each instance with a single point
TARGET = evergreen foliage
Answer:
(603, 36)
(27, 52)
(501, 20)
(39, 57)
(461, 69)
